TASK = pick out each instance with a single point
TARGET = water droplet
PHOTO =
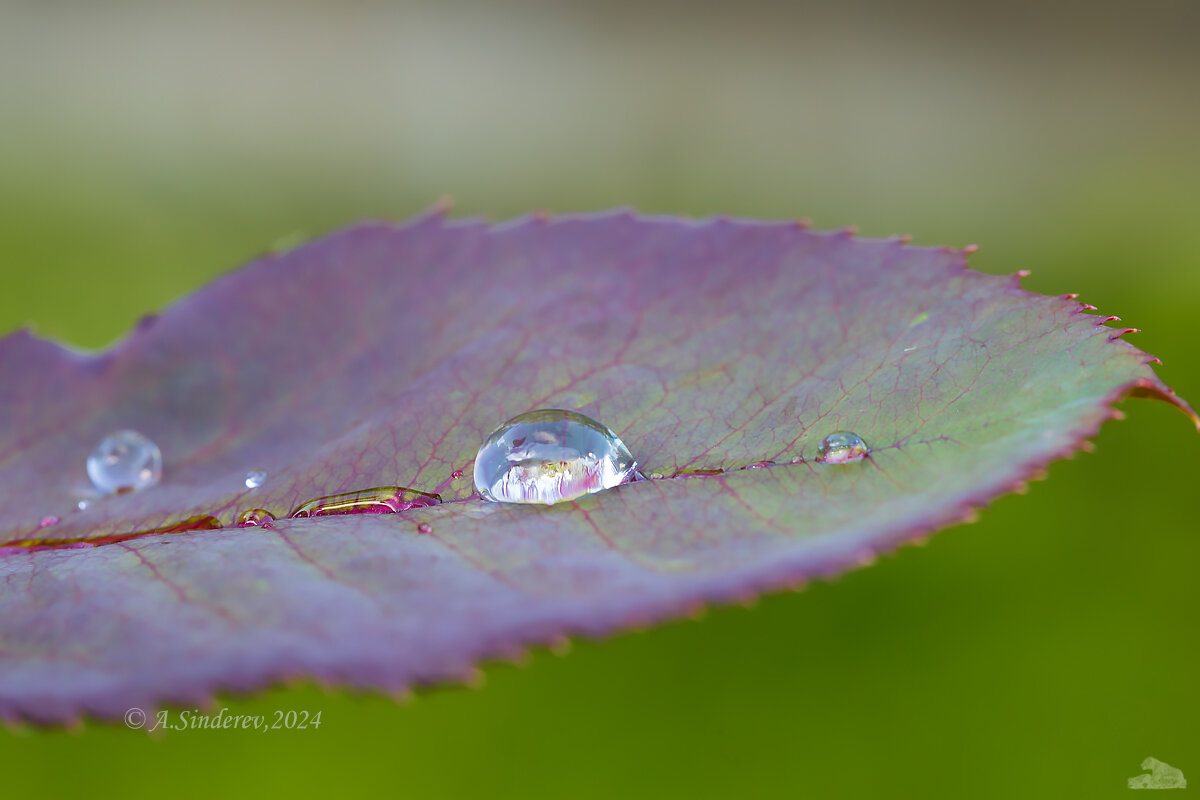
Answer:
(550, 455)
(760, 464)
(203, 522)
(380, 500)
(256, 478)
(697, 473)
(424, 527)
(656, 476)
(797, 459)
(48, 521)
(83, 505)
(842, 448)
(458, 473)
(255, 518)
(124, 461)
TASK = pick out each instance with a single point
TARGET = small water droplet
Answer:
(256, 478)
(424, 527)
(83, 505)
(697, 473)
(380, 500)
(124, 461)
(760, 464)
(842, 448)
(255, 518)
(797, 459)
(656, 476)
(48, 521)
(550, 455)
(458, 473)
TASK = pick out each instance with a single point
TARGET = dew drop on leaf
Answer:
(550, 455)
(424, 527)
(703, 472)
(256, 478)
(841, 448)
(380, 500)
(203, 522)
(124, 461)
(48, 521)
(255, 518)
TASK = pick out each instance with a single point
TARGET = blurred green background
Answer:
(1044, 651)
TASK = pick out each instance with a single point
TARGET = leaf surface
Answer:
(385, 354)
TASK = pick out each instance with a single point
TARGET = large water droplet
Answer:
(550, 455)
(124, 461)
(256, 478)
(842, 448)
(381, 500)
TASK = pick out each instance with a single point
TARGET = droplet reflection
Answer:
(548, 456)
(842, 448)
(125, 461)
(255, 518)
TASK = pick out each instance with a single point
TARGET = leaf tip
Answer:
(1156, 390)
(747, 601)
(865, 558)
(1122, 332)
(146, 322)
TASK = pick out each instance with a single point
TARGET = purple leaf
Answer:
(384, 355)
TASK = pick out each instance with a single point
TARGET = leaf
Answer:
(385, 354)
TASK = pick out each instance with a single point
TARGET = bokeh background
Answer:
(146, 147)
